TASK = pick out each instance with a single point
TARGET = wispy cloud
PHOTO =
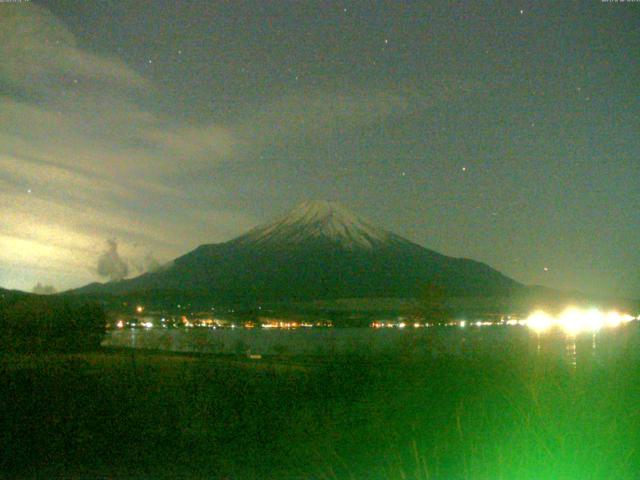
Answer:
(314, 114)
(39, 54)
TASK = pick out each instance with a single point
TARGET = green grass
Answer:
(511, 416)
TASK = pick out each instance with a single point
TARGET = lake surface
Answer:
(428, 342)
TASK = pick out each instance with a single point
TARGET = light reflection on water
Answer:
(571, 350)
(432, 342)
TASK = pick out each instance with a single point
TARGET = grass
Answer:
(508, 416)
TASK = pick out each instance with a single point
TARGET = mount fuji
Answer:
(318, 251)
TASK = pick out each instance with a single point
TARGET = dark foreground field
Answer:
(519, 416)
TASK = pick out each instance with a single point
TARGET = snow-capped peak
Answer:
(319, 219)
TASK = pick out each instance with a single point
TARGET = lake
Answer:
(418, 342)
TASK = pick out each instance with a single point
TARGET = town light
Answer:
(539, 321)
(574, 321)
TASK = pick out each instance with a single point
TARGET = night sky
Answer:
(507, 132)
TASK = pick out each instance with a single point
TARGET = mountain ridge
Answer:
(319, 250)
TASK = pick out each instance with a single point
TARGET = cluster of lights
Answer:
(290, 325)
(574, 320)
(464, 323)
(397, 325)
(213, 323)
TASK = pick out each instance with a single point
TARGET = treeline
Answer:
(32, 323)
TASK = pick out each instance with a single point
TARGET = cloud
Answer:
(115, 266)
(212, 141)
(39, 54)
(322, 112)
(110, 264)
(41, 289)
(78, 108)
(147, 264)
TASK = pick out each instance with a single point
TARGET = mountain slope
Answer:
(320, 250)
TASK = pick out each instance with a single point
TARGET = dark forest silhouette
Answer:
(30, 323)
